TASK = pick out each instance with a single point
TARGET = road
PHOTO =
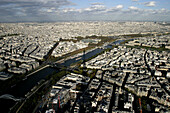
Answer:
(153, 75)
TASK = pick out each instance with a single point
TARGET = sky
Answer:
(84, 10)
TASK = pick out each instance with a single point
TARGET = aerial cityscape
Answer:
(70, 56)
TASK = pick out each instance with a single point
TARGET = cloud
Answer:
(150, 4)
(97, 3)
(119, 6)
(29, 8)
(135, 0)
(133, 8)
(33, 3)
(53, 10)
(70, 10)
(95, 8)
(115, 9)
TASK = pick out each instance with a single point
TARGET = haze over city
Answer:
(83, 10)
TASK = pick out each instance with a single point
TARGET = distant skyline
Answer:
(84, 10)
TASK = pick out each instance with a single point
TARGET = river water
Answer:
(22, 88)
(87, 56)
(90, 54)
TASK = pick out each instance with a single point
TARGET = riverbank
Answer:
(21, 89)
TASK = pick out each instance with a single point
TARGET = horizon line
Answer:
(83, 21)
